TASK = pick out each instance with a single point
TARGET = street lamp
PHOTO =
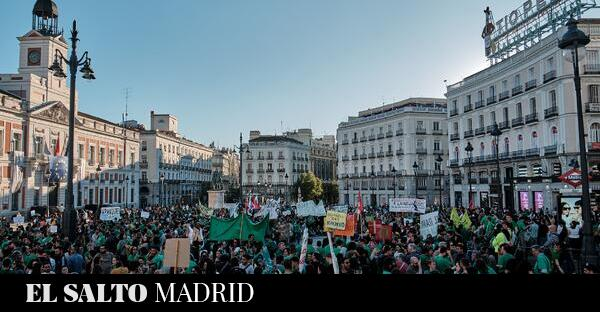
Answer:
(98, 170)
(127, 191)
(69, 218)
(496, 132)
(394, 171)
(373, 190)
(162, 186)
(286, 187)
(416, 168)
(439, 160)
(573, 44)
(469, 150)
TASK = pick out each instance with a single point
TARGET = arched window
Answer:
(520, 142)
(456, 153)
(506, 145)
(595, 132)
(482, 149)
(534, 139)
(494, 147)
(554, 136)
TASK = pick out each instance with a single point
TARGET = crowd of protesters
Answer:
(476, 241)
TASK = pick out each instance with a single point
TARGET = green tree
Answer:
(331, 194)
(310, 186)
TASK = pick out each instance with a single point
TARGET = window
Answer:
(592, 57)
(102, 156)
(492, 91)
(519, 110)
(455, 128)
(552, 98)
(400, 126)
(456, 153)
(534, 139)
(520, 142)
(436, 125)
(92, 155)
(517, 80)
(532, 73)
(419, 144)
(505, 85)
(505, 113)
(506, 145)
(554, 136)
(595, 132)
(1, 141)
(482, 149)
(532, 106)
(111, 157)
(80, 151)
(17, 141)
(436, 145)
(550, 64)
(469, 99)
(469, 124)
(493, 117)
(39, 145)
(480, 96)
(419, 125)
(454, 105)
(594, 98)
(481, 121)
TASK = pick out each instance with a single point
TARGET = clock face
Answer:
(34, 57)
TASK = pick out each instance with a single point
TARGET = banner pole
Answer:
(176, 258)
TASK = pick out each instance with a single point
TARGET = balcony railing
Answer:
(517, 90)
(483, 180)
(261, 158)
(438, 152)
(472, 181)
(372, 137)
(354, 157)
(549, 76)
(480, 131)
(437, 132)
(503, 125)
(591, 68)
(453, 112)
(380, 136)
(282, 170)
(260, 171)
(399, 132)
(422, 151)
(592, 108)
(354, 141)
(400, 152)
(380, 155)
(454, 162)
(505, 155)
(389, 153)
(517, 122)
(363, 156)
(530, 84)
(345, 142)
(270, 171)
(517, 154)
(480, 159)
(250, 171)
(455, 137)
(371, 155)
(479, 104)
(363, 139)
(533, 152)
(281, 158)
(551, 112)
(468, 134)
(503, 95)
(491, 100)
(531, 118)
(269, 157)
(389, 134)
(550, 150)
(421, 131)
(457, 180)
(468, 108)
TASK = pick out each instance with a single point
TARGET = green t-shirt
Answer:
(443, 263)
(503, 259)
(424, 258)
(542, 265)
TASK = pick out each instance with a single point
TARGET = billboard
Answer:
(570, 208)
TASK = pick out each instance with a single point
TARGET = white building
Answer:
(173, 168)
(106, 155)
(226, 168)
(272, 164)
(393, 137)
(530, 95)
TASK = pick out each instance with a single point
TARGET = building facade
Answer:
(34, 132)
(226, 169)
(272, 164)
(174, 170)
(378, 149)
(531, 97)
(323, 158)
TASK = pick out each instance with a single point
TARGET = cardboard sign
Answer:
(429, 224)
(335, 221)
(341, 208)
(308, 208)
(110, 214)
(382, 232)
(350, 227)
(177, 253)
(414, 205)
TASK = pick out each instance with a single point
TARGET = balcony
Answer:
(517, 154)
(389, 134)
(345, 142)
(517, 122)
(437, 132)
(551, 112)
(591, 69)
(389, 153)
(259, 171)
(479, 104)
(270, 171)
(491, 100)
(503, 125)
(282, 170)
(454, 137)
(457, 180)
(592, 108)
(453, 112)
(422, 172)
(363, 139)
(517, 90)
(503, 96)
(484, 180)
(400, 152)
(269, 157)
(505, 155)
(532, 152)
(280, 158)
(530, 84)
(480, 131)
(372, 155)
(249, 171)
(354, 141)
(421, 151)
(363, 156)
(399, 132)
(345, 158)
(372, 137)
(380, 155)
(472, 181)
(421, 131)
(549, 76)
(468, 134)
(531, 118)
(468, 108)
(380, 136)
(260, 158)
(479, 159)
(550, 150)
(438, 152)
(354, 157)
(454, 163)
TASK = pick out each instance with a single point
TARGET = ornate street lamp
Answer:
(98, 170)
(469, 150)
(394, 171)
(416, 168)
(439, 160)
(162, 186)
(573, 44)
(496, 133)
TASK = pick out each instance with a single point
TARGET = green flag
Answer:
(238, 228)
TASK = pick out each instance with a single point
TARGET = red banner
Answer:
(381, 232)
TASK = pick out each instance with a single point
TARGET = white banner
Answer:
(429, 224)
(110, 214)
(145, 214)
(408, 205)
(308, 208)
(302, 262)
(232, 208)
(18, 220)
(341, 208)
(216, 199)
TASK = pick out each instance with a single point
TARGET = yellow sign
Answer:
(335, 221)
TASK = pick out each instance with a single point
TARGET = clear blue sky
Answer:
(230, 66)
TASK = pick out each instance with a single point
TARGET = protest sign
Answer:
(177, 253)
(32, 213)
(429, 224)
(145, 214)
(110, 214)
(53, 229)
(335, 221)
(341, 208)
(414, 205)
(350, 227)
(216, 199)
(18, 219)
(308, 208)
(381, 232)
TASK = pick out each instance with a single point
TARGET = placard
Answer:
(110, 214)
(18, 220)
(145, 214)
(177, 253)
(429, 224)
(411, 205)
(53, 229)
(335, 221)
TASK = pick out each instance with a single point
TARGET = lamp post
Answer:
(416, 168)
(394, 171)
(162, 186)
(573, 44)
(469, 150)
(69, 218)
(373, 191)
(127, 191)
(496, 133)
(286, 187)
(240, 170)
(439, 160)
(98, 170)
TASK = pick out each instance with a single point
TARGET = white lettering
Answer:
(164, 297)
(33, 293)
(86, 292)
(141, 289)
(206, 291)
(219, 292)
(70, 291)
(119, 291)
(185, 291)
(240, 288)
